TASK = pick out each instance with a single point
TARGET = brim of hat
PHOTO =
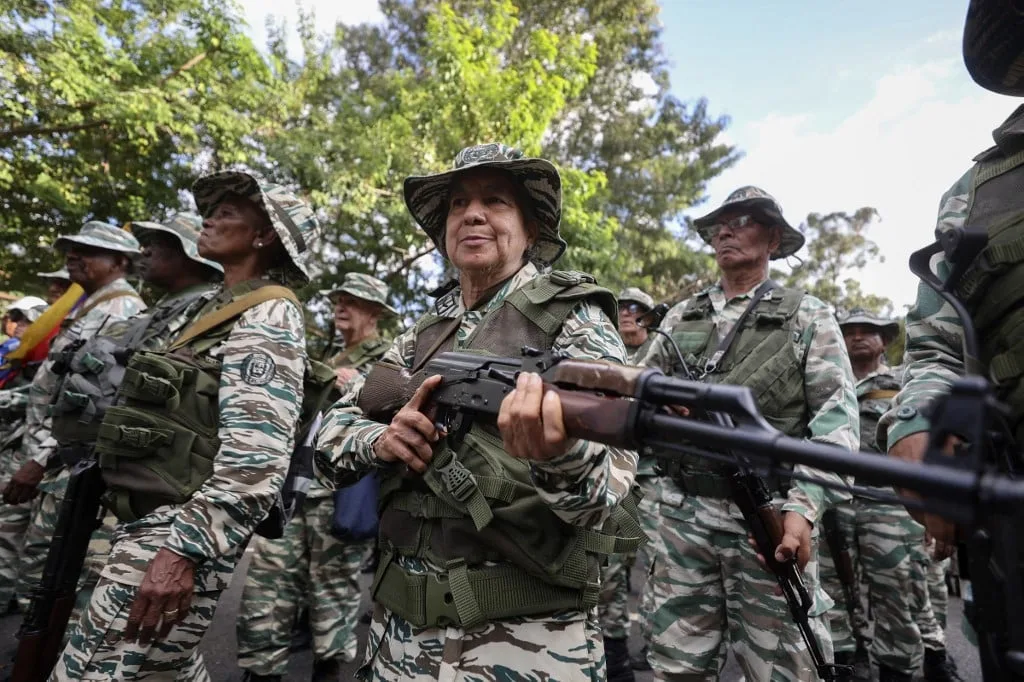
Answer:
(426, 196)
(139, 229)
(65, 239)
(227, 182)
(889, 330)
(792, 239)
(992, 47)
(56, 274)
(333, 293)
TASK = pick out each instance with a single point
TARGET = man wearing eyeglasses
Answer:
(633, 303)
(707, 582)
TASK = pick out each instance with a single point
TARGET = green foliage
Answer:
(837, 244)
(111, 108)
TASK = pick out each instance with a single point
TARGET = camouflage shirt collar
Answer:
(883, 370)
(717, 295)
(451, 305)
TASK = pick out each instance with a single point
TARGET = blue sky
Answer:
(835, 105)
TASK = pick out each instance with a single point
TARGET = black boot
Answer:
(616, 656)
(938, 667)
(302, 637)
(638, 661)
(367, 616)
(249, 676)
(887, 674)
(326, 671)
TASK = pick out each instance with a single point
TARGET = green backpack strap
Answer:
(548, 299)
(232, 310)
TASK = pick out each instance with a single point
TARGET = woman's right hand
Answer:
(411, 434)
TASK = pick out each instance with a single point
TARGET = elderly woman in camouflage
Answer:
(474, 579)
(231, 437)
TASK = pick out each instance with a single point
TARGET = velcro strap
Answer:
(464, 597)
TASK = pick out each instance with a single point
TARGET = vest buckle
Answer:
(457, 480)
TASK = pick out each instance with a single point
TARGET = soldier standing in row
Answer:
(985, 203)
(466, 585)
(98, 259)
(309, 565)
(786, 346)
(57, 282)
(206, 461)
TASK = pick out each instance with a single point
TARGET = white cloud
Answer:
(327, 14)
(898, 152)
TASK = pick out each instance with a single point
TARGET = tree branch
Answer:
(25, 131)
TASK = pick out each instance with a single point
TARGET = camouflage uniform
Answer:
(580, 486)
(162, 322)
(309, 565)
(256, 434)
(108, 304)
(14, 518)
(706, 582)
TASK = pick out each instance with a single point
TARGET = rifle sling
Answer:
(233, 310)
(726, 343)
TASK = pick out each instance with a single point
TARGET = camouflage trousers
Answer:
(888, 539)
(707, 585)
(613, 601)
(649, 522)
(938, 591)
(848, 623)
(926, 615)
(566, 647)
(307, 565)
(95, 559)
(14, 521)
(95, 650)
(43, 524)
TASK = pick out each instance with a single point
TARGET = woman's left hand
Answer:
(530, 421)
(164, 598)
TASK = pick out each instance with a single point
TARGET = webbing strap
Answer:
(233, 310)
(430, 507)
(879, 394)
(1006, 366)
(465, 597)
(109, 296)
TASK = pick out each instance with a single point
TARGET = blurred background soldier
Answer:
(57, 282)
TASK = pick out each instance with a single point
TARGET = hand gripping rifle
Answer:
(625, 407)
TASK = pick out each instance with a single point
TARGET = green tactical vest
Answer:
(93, 371)
(992, 288)
(156, 446)
(475, 504)
(764, 357)
(873, 400)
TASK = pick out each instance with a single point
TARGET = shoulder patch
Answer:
(258, 369)
(445, 305)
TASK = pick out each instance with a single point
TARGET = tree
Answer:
(111, 109)
(837, 244)
(550, 77)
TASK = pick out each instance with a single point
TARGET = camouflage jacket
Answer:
(86, 321)
(828, 387)
(581, 486)
(256, 433)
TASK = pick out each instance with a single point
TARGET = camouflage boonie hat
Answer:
(637, 296)
(886, 327)
(102, 236)
(291, 217)
(185, 227)
(61, 274)
(366, 288)
(758, 203)
(993, 45)
(426, 196)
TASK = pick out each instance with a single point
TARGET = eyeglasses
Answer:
(737, 223)
(632, 307)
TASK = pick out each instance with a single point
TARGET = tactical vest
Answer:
(92, 371)
(992, 288)
(873, 403)
(764, 357)
(156, 446)
(476, 511)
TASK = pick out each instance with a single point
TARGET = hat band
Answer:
(293, 229)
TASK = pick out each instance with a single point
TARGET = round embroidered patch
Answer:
(258, 369)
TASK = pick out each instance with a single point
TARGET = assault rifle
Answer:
(625, 407)
(839, 550)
